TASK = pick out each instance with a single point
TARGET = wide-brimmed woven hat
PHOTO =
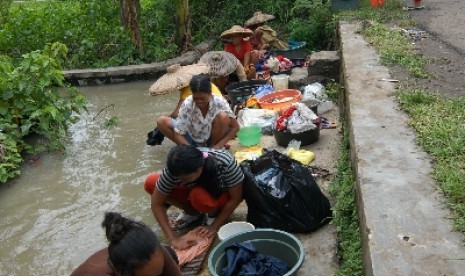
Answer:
(259, 18)
(177, 77)
(236, 30)
(221, 63)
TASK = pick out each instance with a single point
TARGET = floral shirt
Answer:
(190, 119)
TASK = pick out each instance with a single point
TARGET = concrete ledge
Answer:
(109, 74)
(403, 220)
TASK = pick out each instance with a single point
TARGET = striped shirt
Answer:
(228, 173)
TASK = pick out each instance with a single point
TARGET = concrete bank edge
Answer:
(132, 71)
(404, 223)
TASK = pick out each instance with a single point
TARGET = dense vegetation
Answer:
(91, 29)
(31, 103)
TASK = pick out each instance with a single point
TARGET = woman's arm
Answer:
(159, 211)
(181, 123)
(235, 197)
(179, 139)
(170, 268)
(233, 129)
(240, 72)
(175, 112)
(246, 59)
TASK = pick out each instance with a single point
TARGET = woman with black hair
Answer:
(204, 119)
(207, 182)
(133, 250)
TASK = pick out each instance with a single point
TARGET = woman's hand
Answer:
(206, 231)
(182, 243)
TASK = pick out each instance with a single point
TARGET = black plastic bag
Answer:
(281, 193)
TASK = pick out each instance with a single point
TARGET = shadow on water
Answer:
(51, 214)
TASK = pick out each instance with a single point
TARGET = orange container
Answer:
(279, 100)
(377, 3)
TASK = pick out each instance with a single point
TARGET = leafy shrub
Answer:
(91, 31)
(32, 103)
(10, 157)
(91, 28)
(312, 21)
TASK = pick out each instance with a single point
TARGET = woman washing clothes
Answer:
(203, 120)
(198, 182)
(177, 77)
(240, 48)
(133, 249)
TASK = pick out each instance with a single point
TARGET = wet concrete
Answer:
(51, 214)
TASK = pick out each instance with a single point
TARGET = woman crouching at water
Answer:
(133, 250)
(200, 183)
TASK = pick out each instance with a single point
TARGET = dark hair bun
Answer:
(115, 226)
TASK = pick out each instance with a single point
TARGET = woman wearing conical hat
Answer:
(264, 37)
(240, 48)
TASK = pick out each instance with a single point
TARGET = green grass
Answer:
(396, 49)
(440, 127)
(345, 215)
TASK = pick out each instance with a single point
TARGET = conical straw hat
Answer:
(221, 63)
(176, 77)
(258, 18)
(235, 30)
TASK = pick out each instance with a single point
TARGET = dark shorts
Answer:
(190, 140)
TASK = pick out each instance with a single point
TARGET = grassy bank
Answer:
(438, 121)
(346, 215)
(440, 127)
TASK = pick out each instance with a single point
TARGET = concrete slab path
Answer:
(405, 225)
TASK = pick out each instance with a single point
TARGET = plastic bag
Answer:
(314, 91)
(293, 201)
(265, 118)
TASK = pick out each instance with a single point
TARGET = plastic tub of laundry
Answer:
(279, 100)
(240, 91)
(306, 137)
(279, 244)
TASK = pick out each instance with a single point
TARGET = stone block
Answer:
(326, 64)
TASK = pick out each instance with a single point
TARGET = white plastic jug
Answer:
(280, 82)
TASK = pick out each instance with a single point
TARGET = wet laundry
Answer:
(244, 259)
(187, 255)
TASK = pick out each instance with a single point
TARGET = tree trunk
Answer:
(129, 13)
(183, 26)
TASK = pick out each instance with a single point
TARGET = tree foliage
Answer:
(34, 100)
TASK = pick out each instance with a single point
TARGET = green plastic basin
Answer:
(276, 243)
(249, 135)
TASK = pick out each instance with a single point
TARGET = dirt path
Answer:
(444, 43)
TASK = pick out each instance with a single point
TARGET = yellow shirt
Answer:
(186, 92)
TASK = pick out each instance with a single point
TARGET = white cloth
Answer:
(301, 119)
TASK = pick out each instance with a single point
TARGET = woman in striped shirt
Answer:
(198, 182)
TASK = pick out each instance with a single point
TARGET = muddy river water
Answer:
(51, 214)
